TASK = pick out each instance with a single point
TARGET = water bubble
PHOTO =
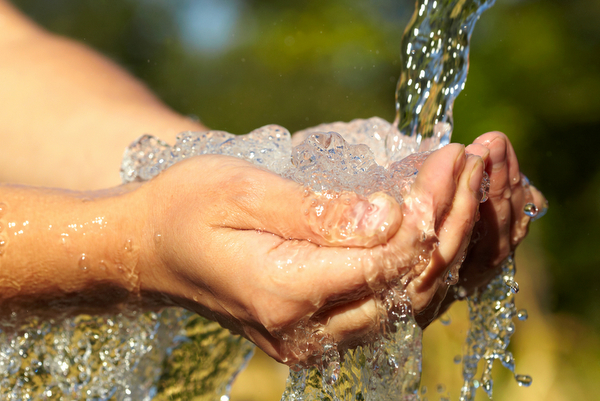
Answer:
(485, 187)
(530, 210)
(523, 380)
(522, 315)
(457, 359)
(514, 286)
(445, 319)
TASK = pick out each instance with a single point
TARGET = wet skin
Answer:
(256, 262)
(255, 252)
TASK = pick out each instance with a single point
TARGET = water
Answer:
(176, 354)
(131, 356)
(435, 55)
(491, 314)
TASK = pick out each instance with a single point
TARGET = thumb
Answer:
(288, 209)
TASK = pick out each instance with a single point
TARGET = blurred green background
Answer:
(535, 75)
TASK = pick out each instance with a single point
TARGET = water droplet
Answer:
(424, 390)
(461, 293)
(457, 359)
(441, 388)
(3, 208)
(514, 286)
(83, 262)
(129, 245)
(452, 275)
(158, 238)
(2, 245)
(530, 210)
(522, 315)
(445, 319)
(523, 380)
(1, 226)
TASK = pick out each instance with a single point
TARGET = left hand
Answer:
(503, 223)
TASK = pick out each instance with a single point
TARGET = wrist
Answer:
(68, 252)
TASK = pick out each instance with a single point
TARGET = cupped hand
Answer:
(503, 223)
(263, 256)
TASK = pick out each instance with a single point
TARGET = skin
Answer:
(235, 245)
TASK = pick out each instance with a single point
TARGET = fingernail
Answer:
(476, 177)
(459, 163)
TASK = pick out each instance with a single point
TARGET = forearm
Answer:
(68, 251)
(69, 109)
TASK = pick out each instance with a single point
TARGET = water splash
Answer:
(132, 356)
(435, 57)
(491, 313)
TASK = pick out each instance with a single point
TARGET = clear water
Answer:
(435, 56)
(124, 357)
(491, 314)
(176, 354)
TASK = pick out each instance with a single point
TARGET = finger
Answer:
(431, 194)
(351, 322)
(479, 150)
(521, 196)
(496, 213)
(256, 199)
(454, 234)
(540, 202)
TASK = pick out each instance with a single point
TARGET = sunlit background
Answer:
(535, 75)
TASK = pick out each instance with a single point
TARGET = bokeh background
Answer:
(535, 75)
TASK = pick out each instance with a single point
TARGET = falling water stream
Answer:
(175, 354)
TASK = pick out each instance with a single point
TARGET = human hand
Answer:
(503, 224)
(261, 254)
